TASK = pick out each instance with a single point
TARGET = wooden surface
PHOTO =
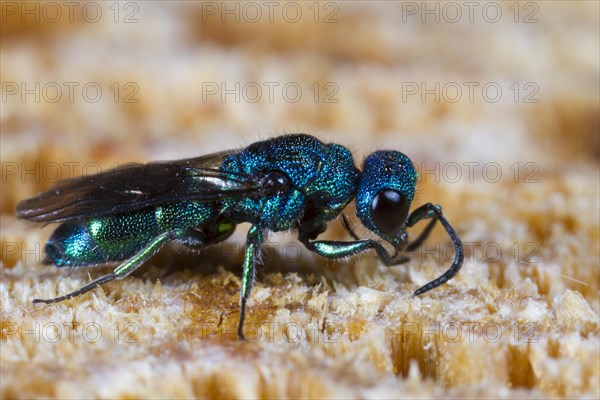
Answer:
(519, 321)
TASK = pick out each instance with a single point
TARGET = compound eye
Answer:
(389, 210)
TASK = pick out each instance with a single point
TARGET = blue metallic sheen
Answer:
(384, 170)
(322, 176)
(288, 182)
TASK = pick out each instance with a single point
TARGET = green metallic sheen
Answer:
(288, 182)
(110, 239)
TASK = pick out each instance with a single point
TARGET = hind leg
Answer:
(121, 271)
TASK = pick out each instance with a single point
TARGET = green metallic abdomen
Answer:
(116, 238)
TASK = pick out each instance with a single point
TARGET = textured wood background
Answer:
(521, 318)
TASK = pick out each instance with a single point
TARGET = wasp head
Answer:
(385, 191)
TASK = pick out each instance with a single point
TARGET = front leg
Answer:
(253, 242)
(339, 249)
(313, 227)
(415, 217)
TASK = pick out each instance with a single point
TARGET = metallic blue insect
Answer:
(294, 181)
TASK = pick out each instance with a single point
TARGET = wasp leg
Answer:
(396, 259)
(121, 271)
(412, 246)
(253, 241)
(348, 228)
(432, 211)
(340, 249)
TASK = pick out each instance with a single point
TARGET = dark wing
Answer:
(135, 186)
